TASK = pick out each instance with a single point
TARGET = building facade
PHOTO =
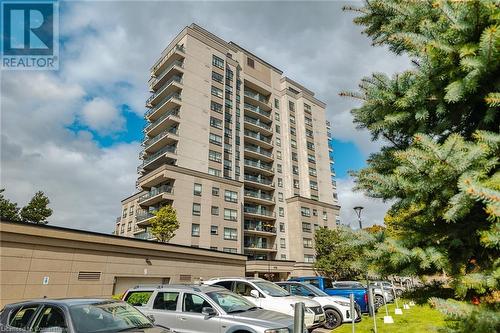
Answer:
(240, 151)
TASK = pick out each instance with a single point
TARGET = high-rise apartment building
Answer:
(240, 151)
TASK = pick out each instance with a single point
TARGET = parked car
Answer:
(327, 285)
(270, 296)
(75, 315)
(387, 285)
(337, 309)
(379, 293)
(208, 309)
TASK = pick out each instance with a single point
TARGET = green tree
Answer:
(37, 210)
(8, 210)
(439, 122)
(164, 224)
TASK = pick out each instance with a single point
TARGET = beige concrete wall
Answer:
(28, 253)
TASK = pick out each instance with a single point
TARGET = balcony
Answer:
(259, 166)
(258, 212)
(257, 125)
(176, 53)
(259, 247)
(177, 67)
(144, 216)
(167, 103)
(255, 98)
(144, 235)
(161, 123)
(259, 229)
(258, 139)
(257, 112)
(172, 84)
(259, 182)
(167, 151)
(157, 195)
(258, 153)
(259, 197)
(155, 143)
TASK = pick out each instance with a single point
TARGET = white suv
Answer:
(270, 296)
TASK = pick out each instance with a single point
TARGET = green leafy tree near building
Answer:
(164, 224)
(8, 210)
(37, 210)
(440, 123)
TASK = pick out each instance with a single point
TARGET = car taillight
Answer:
(366, 297)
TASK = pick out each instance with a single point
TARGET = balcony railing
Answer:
(177, 79)
(262, 228)
(257, 136)
(144, 235)
(260, 180)
(258, 195)
(154, 192)
(257, 123)
(257, 110)
(166, 56)
(259, 150)
(154, 80)
(259, 246)
(255, 95)
(142, 217)
(166, 149)
(259, 165)
(149, 142)
(157, 106)
(256, 210)
(174, 112)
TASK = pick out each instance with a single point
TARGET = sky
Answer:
(75, 133)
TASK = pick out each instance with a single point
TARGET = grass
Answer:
(419, 318)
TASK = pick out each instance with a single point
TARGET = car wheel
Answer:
(333, 319)
(378, 301)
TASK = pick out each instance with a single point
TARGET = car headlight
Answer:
(277, 330)
(309, 310)
(342, 303)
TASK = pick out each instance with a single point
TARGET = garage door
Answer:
(122, 283)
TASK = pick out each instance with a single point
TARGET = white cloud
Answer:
(374, 209)
(101, 115)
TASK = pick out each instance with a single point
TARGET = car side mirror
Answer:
(254, 293)
(208, 312)
(53, 329)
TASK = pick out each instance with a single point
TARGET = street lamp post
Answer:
(358, 210)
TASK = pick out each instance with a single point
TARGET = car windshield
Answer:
(230, 302)
(315, 290)
(271, 289)
(107, 317)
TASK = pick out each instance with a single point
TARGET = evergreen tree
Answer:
(439, 121)
(164, 224)
(8, 210)
(37, 210)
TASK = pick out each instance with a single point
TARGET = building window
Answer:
(280, 196)
(282, 227)
(313, 185)
(316, 227)
(305, 211)
(311, 158)
(314, 197)
(278, 155)
(230, 214)
(217, 92)
(217, 62)
(230, 234)
(295, 169)
(196, 209)
(280, 182)
(229, 250)
(195, 230)
(278, 129)
(295, 157)
(214, 230)
(307, 107)
(215, 191)
(310, 145)
(124, 214)
(215, 210)
(279, 168)
(293, 142)
(315, 212)
(325, 216)
(296, 183)
(309, 133)
(214, 106)
(291, 106)
(131, 210)
(129, 226)
(337, 220)
(217, 77)
(281, 211)
(278, 142)
(306, 227)
(214, 122)
(293, 131)
(215, 139)
(213, 248)
(308, 258)
(308, 243)
(197, 189)
(277, 116)
(214, 172)
(231, 196)
(308, 121)
(276, 103)
(282, 243)
(312, 172)
(214, 156)
(250, 62)
(283, 257)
